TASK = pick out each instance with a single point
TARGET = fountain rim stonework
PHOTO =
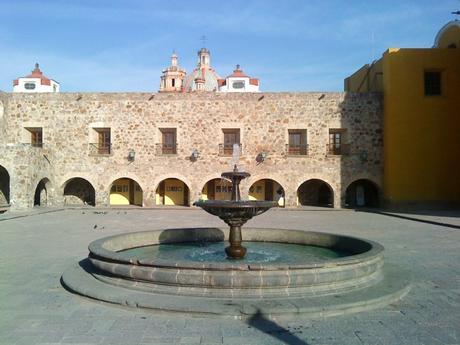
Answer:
(333, 287)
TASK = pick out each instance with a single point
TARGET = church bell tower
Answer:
(172, 79)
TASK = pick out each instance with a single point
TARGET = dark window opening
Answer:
(432, 83)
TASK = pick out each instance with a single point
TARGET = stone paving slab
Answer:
(36, 249)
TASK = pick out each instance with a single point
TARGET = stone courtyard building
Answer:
(170, 148)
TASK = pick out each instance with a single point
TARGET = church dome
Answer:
(448, 36)
(207, 74)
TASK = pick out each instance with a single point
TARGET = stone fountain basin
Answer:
(360, 269)
(230, 209)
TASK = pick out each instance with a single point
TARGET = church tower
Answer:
(173, 77)
(204, 58)
(203, 77)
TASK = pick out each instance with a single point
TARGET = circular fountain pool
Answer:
(213, 252)
(285, 272)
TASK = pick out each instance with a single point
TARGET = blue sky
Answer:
(291, 45)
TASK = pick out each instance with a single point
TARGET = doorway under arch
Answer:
(315, 192)
(362, 193)
(217, 189)
(125, 191)
(172, 191)
(41, 192)
(78, 191)
(267, 189)
(4, 186)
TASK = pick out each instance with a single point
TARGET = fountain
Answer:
(235, 212)
(284, 272)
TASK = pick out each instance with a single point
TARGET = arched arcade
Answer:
(315, 192)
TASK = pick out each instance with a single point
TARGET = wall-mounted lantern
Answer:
(261, 157)
(131, 155)
(195, 155)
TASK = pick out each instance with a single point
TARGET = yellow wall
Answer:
(421, 133)
(174, 192)
(257, 191)
(218, 195)
(119, 193)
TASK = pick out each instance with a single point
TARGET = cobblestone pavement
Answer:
(36, 247)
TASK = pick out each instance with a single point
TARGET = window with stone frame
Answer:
(104, 141)
(168, 140)
(231, 137)
(337, 144)
(36, 136)
(297, 144)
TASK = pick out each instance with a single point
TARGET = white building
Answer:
(35, 82)
(238, 82)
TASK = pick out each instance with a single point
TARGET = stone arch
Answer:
(267, 189)
(41, 195)
(217, 189)
(125, 191)
(4, 186)
(172, 191)
(315, 192)
(362, 193)
(78, 191)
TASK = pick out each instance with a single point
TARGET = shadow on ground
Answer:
(273, 329)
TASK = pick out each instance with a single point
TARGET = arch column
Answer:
(102, 198)
(339, 201)
(290, 197)
(148, 196)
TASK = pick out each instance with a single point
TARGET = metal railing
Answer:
(337, 149)
(296, 150)
(227, 149)
(100, 149)
(166, 149)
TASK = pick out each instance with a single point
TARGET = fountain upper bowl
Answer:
(230, 209)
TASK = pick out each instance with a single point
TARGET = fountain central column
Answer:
(235, 250)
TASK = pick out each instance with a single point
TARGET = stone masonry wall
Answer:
(68, 121)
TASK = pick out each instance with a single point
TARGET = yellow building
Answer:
(421, 89)
(125, 191)
(171, 192)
